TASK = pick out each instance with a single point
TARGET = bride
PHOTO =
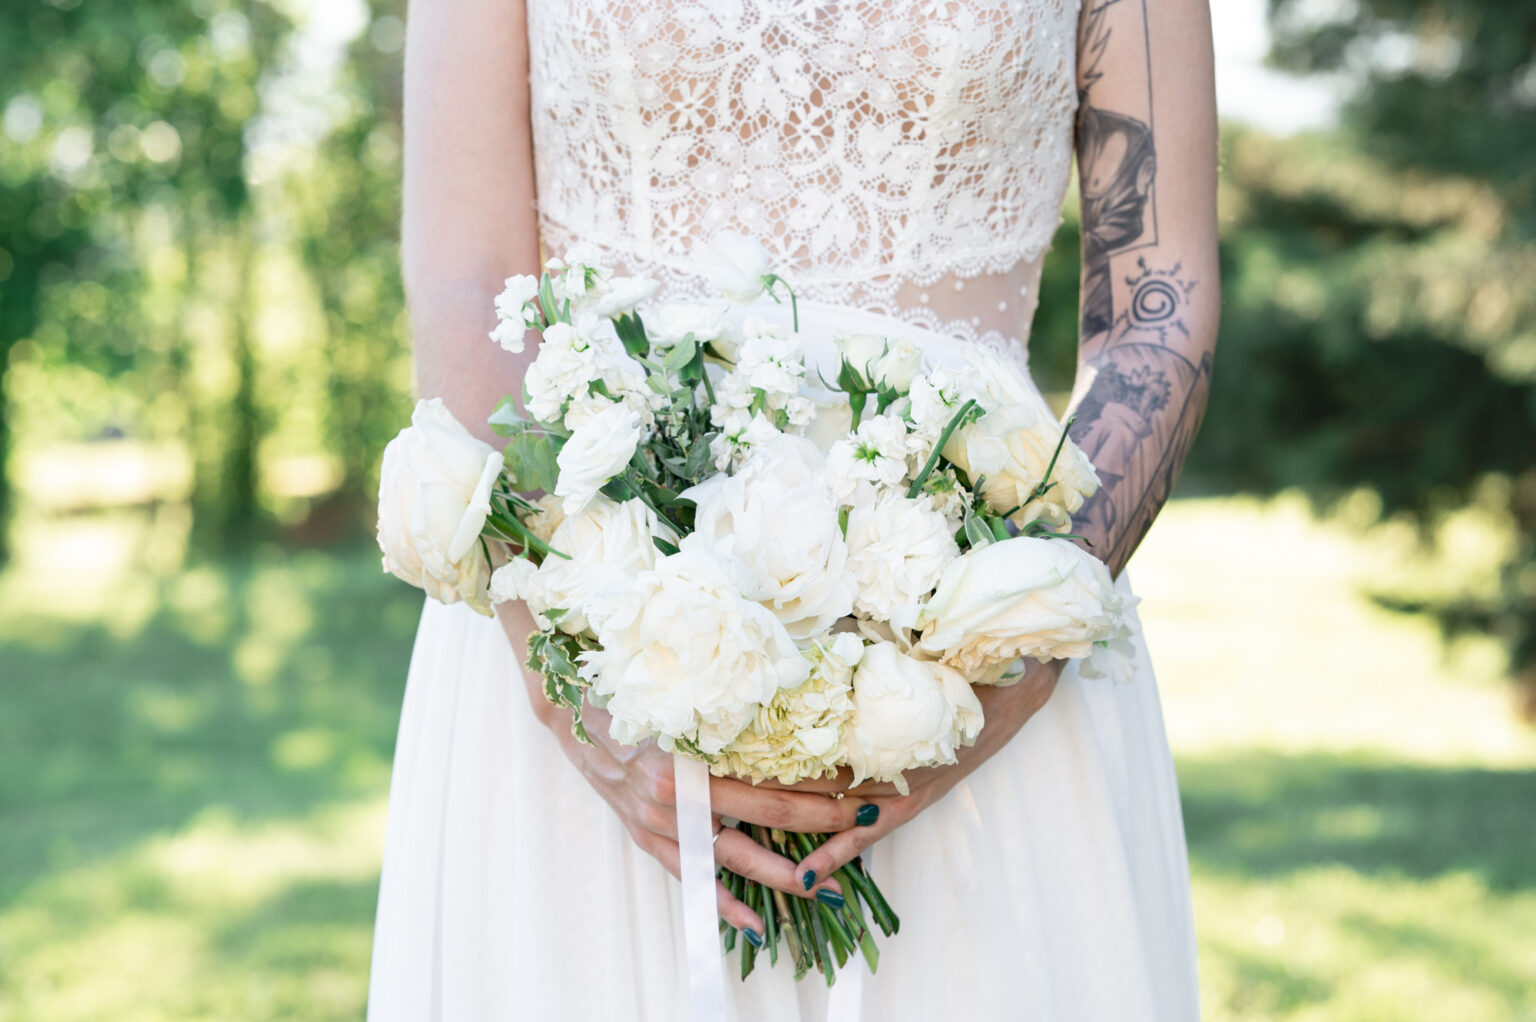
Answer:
(904, 163)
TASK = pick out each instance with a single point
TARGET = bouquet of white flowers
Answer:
(771, 571)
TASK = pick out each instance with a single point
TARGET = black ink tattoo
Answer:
(1117, 165)
(1141, 411)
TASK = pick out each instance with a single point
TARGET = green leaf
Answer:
(663, 545)
(698, 457)
(530, 458)
(632, 334)
(505, 419)
(681, 354)
(842, 520)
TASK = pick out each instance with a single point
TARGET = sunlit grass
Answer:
(193, 761)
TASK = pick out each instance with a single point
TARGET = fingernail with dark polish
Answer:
(830, 898)
(809, 879)
(753, 937)
(867, 815)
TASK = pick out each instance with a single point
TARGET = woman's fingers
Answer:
(842, 848)
(745, 857)
(798, 811)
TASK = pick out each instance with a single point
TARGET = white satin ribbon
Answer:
(701, 931)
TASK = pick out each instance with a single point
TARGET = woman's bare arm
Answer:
(468, 219)
(1151, 289)
(1147, 155)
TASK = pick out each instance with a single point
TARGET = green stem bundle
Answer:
(816, 935)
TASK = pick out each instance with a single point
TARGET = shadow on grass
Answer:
(1266, 815)
(267, 687)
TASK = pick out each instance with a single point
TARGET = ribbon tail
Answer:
(695, 840)
(845, 1001)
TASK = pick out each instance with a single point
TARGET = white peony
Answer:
(897, 549)
(1044, 598)
(597, 450)
(776, 515)
(735, 264)
(798, 736)
(907, 713)
(434, 496)
(603, 545)
(874, 457)
(684, 656)
(1009, 449)
(516, 311)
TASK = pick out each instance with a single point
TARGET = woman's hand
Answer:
(1007, 710)
(637, 782)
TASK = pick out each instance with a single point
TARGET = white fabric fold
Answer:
(695, 840)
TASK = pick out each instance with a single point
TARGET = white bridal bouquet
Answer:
(776, 573)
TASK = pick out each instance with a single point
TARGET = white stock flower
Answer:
(1009, 450)
(740, 433)
(603, 546)
(579, 275)
(874, 456)
(684, 656)
(597, 451)
(907, 713)
(898, 367)
(516, 311)
(513, 580)
(770, 359)
(434, 496)
(1044, 598)
(668, 324)
(897, 549)
(935, 398)
(776, 516)
(798, 735)
(735, 264)
(574, 357)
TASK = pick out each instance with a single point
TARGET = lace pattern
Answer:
(887, 154)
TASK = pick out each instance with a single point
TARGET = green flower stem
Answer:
(938, 448)
(773, 280)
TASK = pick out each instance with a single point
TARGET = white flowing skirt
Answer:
(1052, 884)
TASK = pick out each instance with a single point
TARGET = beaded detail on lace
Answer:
(892, 156)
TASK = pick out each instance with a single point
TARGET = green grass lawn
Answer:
(193, 763)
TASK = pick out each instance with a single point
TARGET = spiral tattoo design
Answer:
(1155, 301)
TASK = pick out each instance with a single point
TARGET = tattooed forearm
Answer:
(1145, 363)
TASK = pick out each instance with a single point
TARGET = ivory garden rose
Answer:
(434, 496)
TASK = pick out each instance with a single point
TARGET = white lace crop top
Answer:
(904, 156)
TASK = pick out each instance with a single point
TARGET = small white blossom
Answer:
(516, 311)
(620, 296)
(579, 275)
(874, 456)
(668, 324)
(740, 433)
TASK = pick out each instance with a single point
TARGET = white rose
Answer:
(860, 351)
(897, 549)
(1044, 598)
(898, 367)
(906, 714)
(597, 451)
(735, 264)
(776, 515)
(1009, 449)
(684, 656)
(434, 496)
(667, 325)
(603, 545)
(798, 735)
